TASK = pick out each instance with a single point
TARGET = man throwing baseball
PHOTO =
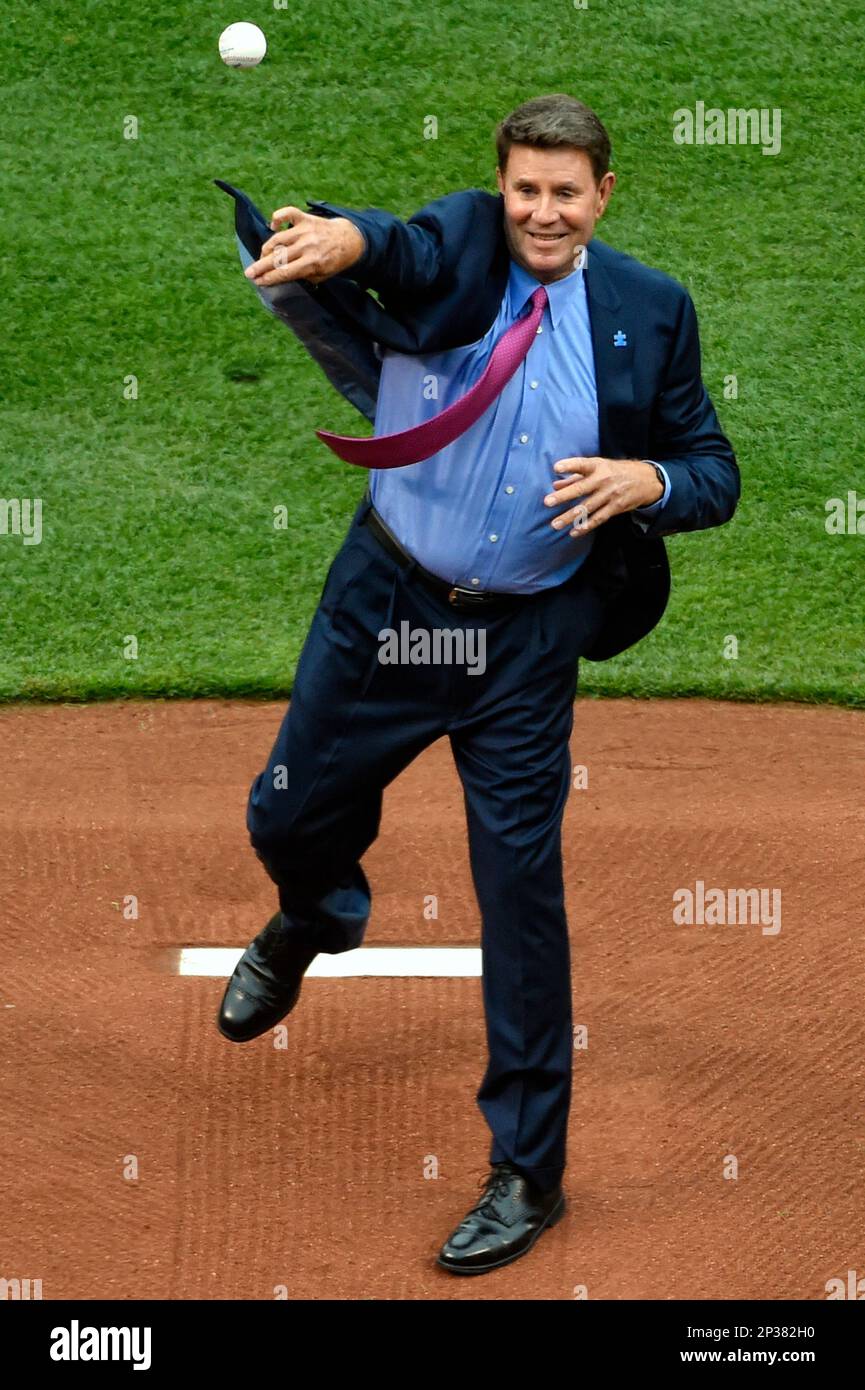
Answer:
(540, 424)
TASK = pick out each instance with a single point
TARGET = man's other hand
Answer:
(602, 488)
(312, 248)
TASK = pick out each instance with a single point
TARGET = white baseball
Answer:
(242, 45)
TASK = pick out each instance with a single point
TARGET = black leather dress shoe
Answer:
(503, 1225)
(266, 982)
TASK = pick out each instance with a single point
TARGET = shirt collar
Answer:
(559, 292)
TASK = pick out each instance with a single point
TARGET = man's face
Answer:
(551, 206)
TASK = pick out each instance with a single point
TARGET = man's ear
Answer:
(607, 184)
(499, 180)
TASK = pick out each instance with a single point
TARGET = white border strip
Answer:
(390, 962)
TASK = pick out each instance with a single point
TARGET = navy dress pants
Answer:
(355, 723)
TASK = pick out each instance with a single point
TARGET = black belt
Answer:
(457, 595)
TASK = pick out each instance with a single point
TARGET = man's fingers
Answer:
(566, 489)
(281, 257)
(579, 464)
(571, 516)
(589, 521)
(279, 239)
(300, 267)
(277, 277)
(582, 518)
(256, 269)
(588, 506)
(289, 214)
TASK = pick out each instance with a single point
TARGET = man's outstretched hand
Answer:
(602, 488)
(312, 248)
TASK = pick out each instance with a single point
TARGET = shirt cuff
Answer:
(644, 516)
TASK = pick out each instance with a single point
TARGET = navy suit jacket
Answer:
(440, 278)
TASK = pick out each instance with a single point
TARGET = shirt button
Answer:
(476, 581)
(534, 385)
(524, 439)
(509, 489)
(493, 538)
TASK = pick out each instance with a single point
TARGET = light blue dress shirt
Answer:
(474, 512)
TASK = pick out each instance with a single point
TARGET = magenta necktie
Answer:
(422, 441)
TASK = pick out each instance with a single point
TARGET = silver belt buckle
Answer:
(458, 592)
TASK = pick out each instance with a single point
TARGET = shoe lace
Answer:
(496, 1184)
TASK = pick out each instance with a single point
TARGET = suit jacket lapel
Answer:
(613, 333)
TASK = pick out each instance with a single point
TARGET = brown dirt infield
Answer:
(304, 1167)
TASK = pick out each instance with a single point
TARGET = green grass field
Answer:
(119, 261)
